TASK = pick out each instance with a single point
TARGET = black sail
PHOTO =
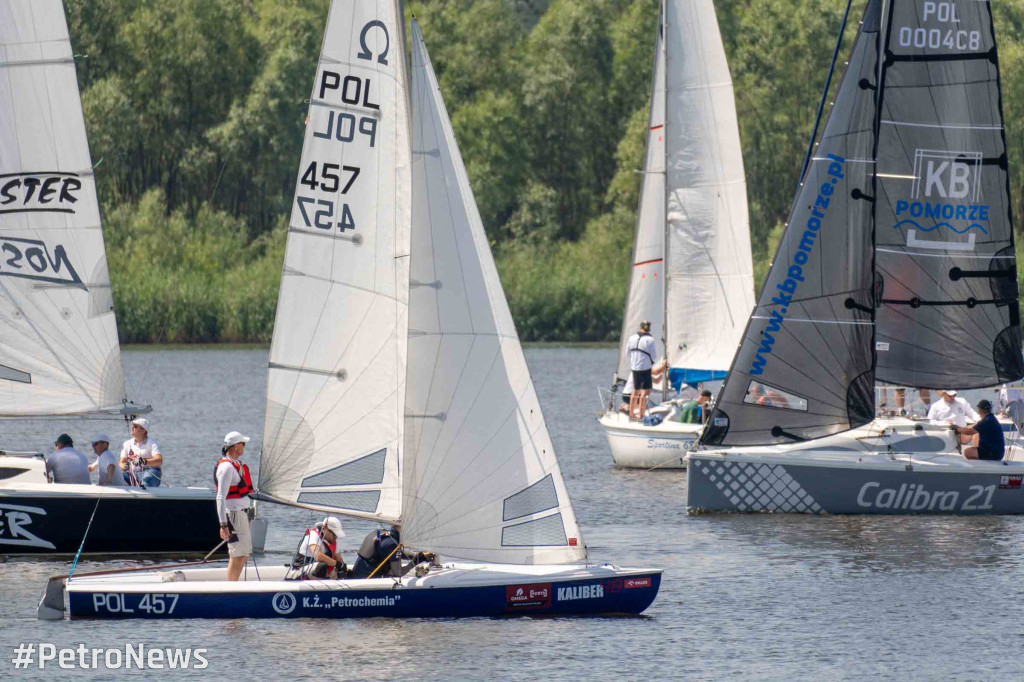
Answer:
(947, 277)
(805, 366)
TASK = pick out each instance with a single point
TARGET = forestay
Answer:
(646, 297)
(58, 337)
(945, 260)
(481, 479)
(805, 366)
(710, 285)
(335, 388)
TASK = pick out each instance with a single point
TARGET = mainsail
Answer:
(805, 367)
(708, 271)
(692, 275)
(481, 479)
(335, 387)
(646, 297)
(58, 337)
(947, 273)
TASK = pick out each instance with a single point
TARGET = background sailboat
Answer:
(882, 275)
(692, 275)
(479, 476)
(59, 352)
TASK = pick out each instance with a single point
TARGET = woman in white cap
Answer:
(141, 460)
(234, 485)
(318, 556)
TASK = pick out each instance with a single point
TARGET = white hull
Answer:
(637, 446)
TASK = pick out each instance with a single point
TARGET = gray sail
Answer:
(948, 315)
(804, 367)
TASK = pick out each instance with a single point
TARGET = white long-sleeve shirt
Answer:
(957, 412)
(227, 476)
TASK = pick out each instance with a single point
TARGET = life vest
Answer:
(638, 349)
(244, 488)
(303, 561)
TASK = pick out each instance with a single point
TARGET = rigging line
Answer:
(74, 564)
(824, 94)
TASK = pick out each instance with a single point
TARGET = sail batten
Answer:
(59, 352)
(476, 445)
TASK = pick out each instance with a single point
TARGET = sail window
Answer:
(539, 497)
(548, 531)
(363, 500)
(11, 374)
(769, 396)
(366, 470)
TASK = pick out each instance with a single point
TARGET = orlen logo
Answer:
(944, 199)
(630, 583)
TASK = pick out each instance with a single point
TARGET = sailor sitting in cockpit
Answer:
(318, 556)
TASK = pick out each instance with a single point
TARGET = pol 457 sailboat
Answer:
(897, 266)
(398, 390)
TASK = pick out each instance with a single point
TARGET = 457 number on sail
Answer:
(324, 213)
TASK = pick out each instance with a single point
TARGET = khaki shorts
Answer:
(239, 526)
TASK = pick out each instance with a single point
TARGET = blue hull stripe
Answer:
(618, 595)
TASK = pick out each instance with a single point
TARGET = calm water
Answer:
(752, 597)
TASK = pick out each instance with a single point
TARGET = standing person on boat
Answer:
(318, 556)
(66, 464)
(234, 485)
(105, 464)
(692, 411)
(951, 410)
(657, 372)
(987, 440)
(641, 349)
(140, 457)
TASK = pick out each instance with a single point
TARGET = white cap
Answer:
(141, 421)
(333, 524)
(950, 392)
(234, 438)
(100, 438)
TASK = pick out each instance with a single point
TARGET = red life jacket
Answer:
(332, 547)
(244, 488)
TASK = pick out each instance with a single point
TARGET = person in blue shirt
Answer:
(986, 436)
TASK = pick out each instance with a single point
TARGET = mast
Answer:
(667, 229)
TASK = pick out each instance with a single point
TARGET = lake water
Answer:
(748, 597)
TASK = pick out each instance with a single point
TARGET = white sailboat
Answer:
(692, 275)
(897, 267)
(59, 352)
(398, 390)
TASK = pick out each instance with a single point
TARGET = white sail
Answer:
(710, 290)
(481, 479)
(646, 297)
(335, 387)
(58, 337)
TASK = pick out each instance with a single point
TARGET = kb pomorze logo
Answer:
(944, 200)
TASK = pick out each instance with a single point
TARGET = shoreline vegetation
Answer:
(196, 132)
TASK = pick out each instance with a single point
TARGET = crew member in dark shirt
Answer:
(987, 435)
